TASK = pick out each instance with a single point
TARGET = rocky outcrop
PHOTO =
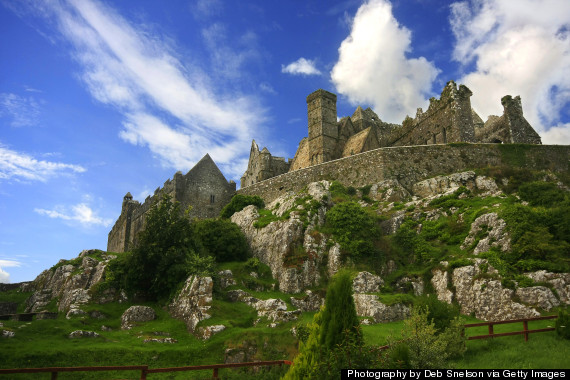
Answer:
(226, 278)
(389, 190)
(135, 314)
(538, 296)
(205, 333)
(439, 281)
(559, 281)
(495, 234)
(366, 282)
(311, 302)
(193, 302)
(275, 310)
(447, 184)
(368, 305)
(71, 283)
(83, 334)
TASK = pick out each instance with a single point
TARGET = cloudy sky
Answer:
(101, 98)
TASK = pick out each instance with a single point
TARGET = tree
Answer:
(163, 252)
(332, 330)
(222, 239)
(353, 227)
(239, 202)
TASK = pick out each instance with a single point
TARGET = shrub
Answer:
(438, 312)
(540, 193)
(239, 202)
(221, 239)
(563, 324)
(353, 227)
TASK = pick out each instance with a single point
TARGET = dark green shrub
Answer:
(538, 193)
(438, 312)
(239, 202)
(563, 324)
(221, 239)
(353, 227)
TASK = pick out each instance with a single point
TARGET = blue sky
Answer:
(101, 98)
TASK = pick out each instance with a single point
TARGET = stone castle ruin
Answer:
(449, 119)
(204, 188)
(413, 150)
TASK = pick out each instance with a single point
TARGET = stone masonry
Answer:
(204, 188)
(449, 119)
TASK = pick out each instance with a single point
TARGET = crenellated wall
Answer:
(410, 164)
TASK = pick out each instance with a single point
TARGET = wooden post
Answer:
(54, 376)
(491, 329)
(525, 328)
(215, 374)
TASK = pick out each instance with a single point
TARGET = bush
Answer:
(353, 227)
(438, 312)
(563, 324)
(221, 239)
(538, 193)
(239, 202)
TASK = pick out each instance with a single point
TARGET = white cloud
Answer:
(5, 276)
(519, 48)
(23, 112)
(302, 66)
(81, 213)
(373, 68)
(22, 166)
(141, 74)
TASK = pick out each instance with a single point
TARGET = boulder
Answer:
(311, 302)
(439, 281)
(497, 235)
(560, 282)
(193, 302)
(368, 305)
(83, 334)
(389, 190)
(226, 278)
(538, 296)
(366, 282)
(136, 314)
(205, 333)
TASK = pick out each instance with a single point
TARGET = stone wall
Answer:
(204, 188)
(415, 163)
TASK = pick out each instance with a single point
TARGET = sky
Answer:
(100, 98)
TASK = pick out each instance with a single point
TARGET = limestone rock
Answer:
(83, 334)
(440, 185)
(193, 302)
(560, 282)
(205, 333)
(388, 191)
(334, 261)
(368, 305)
(160, 340)
(416, 284)
(539, 296)
(439, 282)
(366, 282)
(226, 278)
(486, 297)
(136, 314)
(391, 226)
(496, 234)
(7, 334)
(311, 302)
(75, 313)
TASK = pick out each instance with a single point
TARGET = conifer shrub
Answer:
(239, 202)
(438, 312)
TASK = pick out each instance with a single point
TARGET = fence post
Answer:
(54, 376)
(491, 330)
(215, 374)
(525, 328)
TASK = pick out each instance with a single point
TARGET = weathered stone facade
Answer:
(449, 119)
(410, 164)
(262, 165)
(204, 188)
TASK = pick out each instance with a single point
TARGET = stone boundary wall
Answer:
(410, 164)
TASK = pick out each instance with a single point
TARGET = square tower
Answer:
(323, 127)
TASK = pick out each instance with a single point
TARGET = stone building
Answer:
(262, 165)
(449, 119)
(204, 188)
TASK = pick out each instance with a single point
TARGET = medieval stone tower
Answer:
(323, 126)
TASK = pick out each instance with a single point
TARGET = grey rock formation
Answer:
(368, 305)
(538, 296)
(439, 281)
(389, 190)
(441, 185)
(311, 302)
(226, 278)
(135, 314)
(497, 235)
(560, 282)
(205, 333)
(366, 282)
(83, 334)
(193, 302)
